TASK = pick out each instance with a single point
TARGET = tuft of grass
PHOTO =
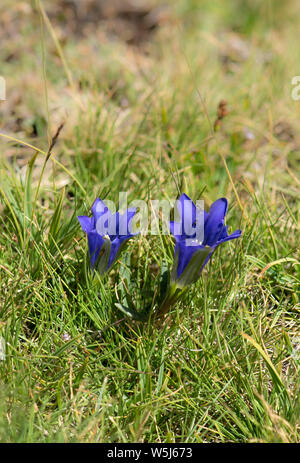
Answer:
(225, 365)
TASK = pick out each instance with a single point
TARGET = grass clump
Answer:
(226, 365)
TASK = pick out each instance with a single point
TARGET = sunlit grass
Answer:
(225, 365)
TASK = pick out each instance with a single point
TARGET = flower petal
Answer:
(188, 215)
(95, 244)
(214, 223)
(87, 223)
(99, 208)
(233, 236)
(196, 257)
(123, 221)
(185, 253)
(176, 230)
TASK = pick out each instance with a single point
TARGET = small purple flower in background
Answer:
(191, 256)
(66, 337)
(106, 233)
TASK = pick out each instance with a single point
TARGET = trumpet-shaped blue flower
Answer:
(106, 233)
(191, 254)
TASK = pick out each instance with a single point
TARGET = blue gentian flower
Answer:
(192, 255)
(106, 233)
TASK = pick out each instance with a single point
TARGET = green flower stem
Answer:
(172, 296)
